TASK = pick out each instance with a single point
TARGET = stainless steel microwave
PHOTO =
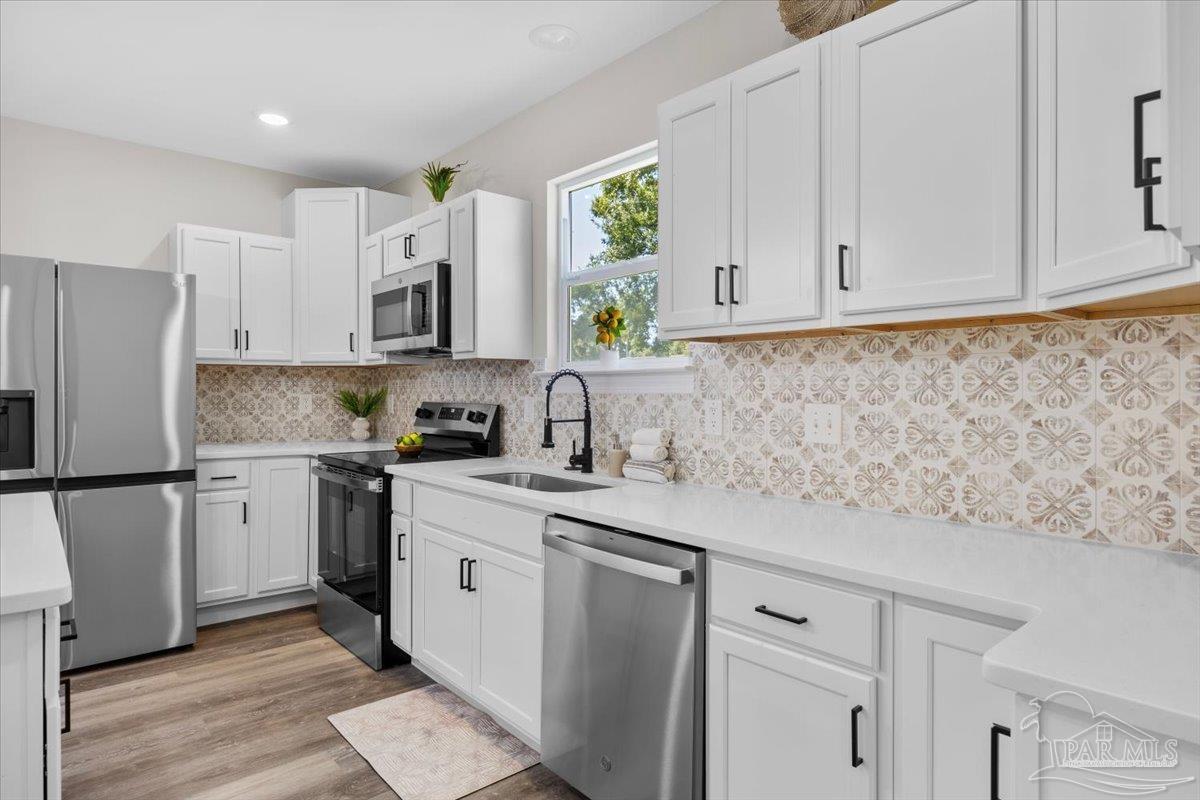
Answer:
(410, 312)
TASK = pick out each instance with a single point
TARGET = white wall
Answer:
(78, 197)
(605, 113)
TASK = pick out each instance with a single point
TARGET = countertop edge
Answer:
(46, 559)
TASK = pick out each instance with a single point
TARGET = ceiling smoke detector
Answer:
(559, 38)
(276, 120)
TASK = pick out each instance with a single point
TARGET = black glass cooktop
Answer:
(372, 462)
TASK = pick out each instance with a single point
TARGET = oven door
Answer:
(410, 311)
(350, 535)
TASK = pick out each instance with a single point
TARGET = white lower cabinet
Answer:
(400, 595)
(253, 541)
(477, 605)
(222, 545)
(32, 720)
(784, 725)
(946, 714)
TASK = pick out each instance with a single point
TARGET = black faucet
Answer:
(582, 461)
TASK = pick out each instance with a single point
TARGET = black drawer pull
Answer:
(994, 783)
(72, 633)
(778, 615)
(223, 477)
(243, 512)
(855, 759)
(64, 685)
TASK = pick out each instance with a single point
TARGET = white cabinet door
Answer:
(776, 183)
(693, 220)
(396, 241)
(1182, 91)
(782, 725)
(508, 637)
(401, 591)
(212, 256)
(314, 525)
(1094, 61)
(430, 236)
(442, 604)
(279, 521)
(372, 259)
(462, 275)
(222, 545)
(327, 249)
(927, 164)
(266, 298)
(945, 710)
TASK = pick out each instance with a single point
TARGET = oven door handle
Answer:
(366, 485)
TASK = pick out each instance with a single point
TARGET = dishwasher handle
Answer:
(605, 558)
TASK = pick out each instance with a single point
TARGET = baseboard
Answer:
(226, 612)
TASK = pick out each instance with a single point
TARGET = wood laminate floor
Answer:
(240, 715)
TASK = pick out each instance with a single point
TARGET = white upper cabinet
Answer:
(243, 292)
(326, 224)
(212, 256)
(776, 182)
(693, 208)
(462, 276)
(396, 241)
(1182, 92)
(927, 168)
(430, 232)
(266, 269)
(372, 259)
(1101, 108)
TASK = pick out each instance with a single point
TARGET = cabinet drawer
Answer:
(510, 528)
(229, 474)
(836, 622)
(402, 497)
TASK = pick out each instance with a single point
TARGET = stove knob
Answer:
(424, 413)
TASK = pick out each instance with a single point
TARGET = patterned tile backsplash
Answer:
(1082, 429)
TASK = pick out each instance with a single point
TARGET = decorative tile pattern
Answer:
(1080, 429)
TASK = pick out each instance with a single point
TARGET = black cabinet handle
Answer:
(462, 581)
(72, 634)
(778, 615)
(408, 246)
(842, 285)
(243, 512)
(855, 759)
(237, 340)
(470, 576)
(717, 285)
(994, 782)
(223, 477)
(1143, 165)
(400, 548)
(246, 348)
(351, 341)
(65, 684)
(732, 283)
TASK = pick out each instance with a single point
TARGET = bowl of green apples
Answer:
(410, 444)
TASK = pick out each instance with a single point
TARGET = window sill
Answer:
(629, 379)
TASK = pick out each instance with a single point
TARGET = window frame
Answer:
(625, 162)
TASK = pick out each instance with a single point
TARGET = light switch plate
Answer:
(714, 414)
(823, 423)
(305, 404)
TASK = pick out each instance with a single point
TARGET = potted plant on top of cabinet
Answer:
(438, 178)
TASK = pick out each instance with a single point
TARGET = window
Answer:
(608, 255)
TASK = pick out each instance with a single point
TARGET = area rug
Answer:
(428, 744)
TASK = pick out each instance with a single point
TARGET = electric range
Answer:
(354, 509)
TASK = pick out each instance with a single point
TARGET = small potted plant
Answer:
(609, 323)
(438, 178)
(362, 406)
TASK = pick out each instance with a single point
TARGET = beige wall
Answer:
(607, 112)
(78, 197)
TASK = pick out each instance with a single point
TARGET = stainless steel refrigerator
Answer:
(97, 403)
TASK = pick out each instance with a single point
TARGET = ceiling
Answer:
(372, 89)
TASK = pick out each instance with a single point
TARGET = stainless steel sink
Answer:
(539, 482)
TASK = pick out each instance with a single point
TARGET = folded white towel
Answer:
(650, 471)
(647, 452)
(655, 436)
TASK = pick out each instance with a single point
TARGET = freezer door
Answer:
(26, 368)
(127, 371)
(132, 555)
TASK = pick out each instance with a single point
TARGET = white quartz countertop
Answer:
(207, 452)
(1116, 624)
(33, 564)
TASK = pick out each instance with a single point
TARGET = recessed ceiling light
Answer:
(554, 37)
(273, 119)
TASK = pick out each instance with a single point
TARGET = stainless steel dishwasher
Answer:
(623, 663)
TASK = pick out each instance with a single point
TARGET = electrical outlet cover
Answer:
(823, 423)
(714, 414)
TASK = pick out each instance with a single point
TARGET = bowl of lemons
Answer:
(410, 444)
